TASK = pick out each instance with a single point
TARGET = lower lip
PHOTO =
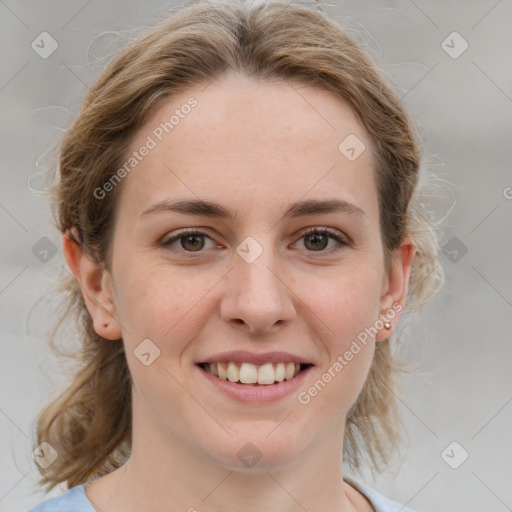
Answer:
(262, 393)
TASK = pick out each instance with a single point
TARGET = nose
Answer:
(257, 297)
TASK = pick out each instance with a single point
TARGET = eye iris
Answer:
(318, 237)
(197, 244)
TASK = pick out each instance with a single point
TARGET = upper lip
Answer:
(244, 356)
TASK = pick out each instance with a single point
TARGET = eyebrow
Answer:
(214, 210)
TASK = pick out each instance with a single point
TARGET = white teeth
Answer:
(280, 372)
(266, 374)
(233, 372)
(289, 371)
(221, 372)
(248, 373)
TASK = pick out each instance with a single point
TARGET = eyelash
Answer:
(342, 240)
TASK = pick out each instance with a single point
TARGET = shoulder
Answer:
(379, 502)
(75, 499)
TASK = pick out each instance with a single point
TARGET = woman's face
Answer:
(255, 281)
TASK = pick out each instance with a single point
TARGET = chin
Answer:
(255, 452)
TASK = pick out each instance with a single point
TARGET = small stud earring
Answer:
(105, 324)
(387, 325)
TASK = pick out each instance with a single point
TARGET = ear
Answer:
(395, 288)
(96, 284)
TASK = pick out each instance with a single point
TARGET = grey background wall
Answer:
(462, 100)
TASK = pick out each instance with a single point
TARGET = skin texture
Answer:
(254, 148)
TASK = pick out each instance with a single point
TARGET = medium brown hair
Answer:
(89, 424)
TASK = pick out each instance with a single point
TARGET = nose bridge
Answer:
(256, 293)
(256, 267)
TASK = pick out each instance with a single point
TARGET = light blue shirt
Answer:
(75, 500)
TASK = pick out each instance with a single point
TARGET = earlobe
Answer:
(95, 282)
(394, 297)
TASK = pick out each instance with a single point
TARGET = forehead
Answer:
(237, 139)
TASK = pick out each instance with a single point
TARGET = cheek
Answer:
(348, 301)
(157, 305)
(160, 303)
(346, 309)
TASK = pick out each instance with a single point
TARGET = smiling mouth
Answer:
(251, 374)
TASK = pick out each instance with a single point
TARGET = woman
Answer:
(235, 199)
